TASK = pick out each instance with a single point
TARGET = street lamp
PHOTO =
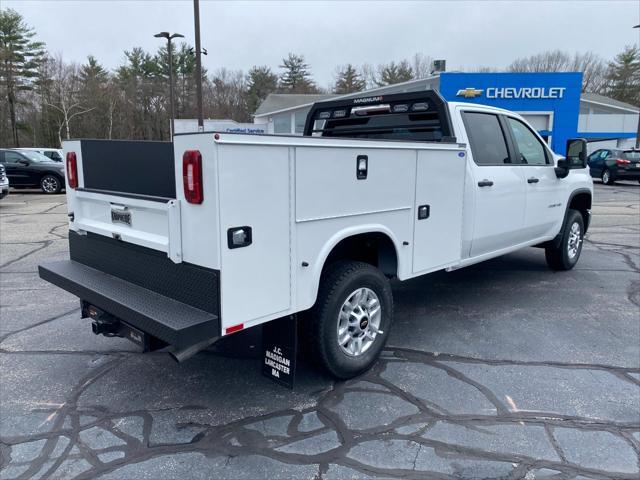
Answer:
(169, 38)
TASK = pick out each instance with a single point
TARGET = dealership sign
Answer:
(533, 93)
(190, 125)
(552, 95)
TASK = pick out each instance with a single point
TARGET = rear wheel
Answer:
(566, 254)
(606, 177)
(50, 184)
(350, 322)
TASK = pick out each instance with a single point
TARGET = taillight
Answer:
(72, 170)
(620, 161)
(192, 176)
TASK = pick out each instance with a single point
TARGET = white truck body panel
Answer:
(301, 197)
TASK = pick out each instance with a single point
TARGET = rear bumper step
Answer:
(171, 321)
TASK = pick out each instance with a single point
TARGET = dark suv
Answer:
(26, 169)
(611, 164)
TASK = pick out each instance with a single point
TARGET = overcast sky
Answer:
(241, 34)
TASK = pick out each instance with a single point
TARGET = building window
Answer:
(282, 123)
(301, 118)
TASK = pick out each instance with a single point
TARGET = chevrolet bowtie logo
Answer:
(469, 92)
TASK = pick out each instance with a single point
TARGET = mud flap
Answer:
(279, 347)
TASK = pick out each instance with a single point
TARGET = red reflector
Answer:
(192, 176)
(235, 328)
(72, 170)
(621, 161)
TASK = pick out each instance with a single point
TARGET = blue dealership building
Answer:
(551, 102)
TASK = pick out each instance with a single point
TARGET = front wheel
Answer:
(50, 184)
(566, 254)
(606, 177)
(350, 322)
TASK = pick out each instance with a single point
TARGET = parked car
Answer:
(28, 169)
(611, 164)
(267, 226)
(4, 183)
(54, 154)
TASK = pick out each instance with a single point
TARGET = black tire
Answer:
(338, 283)
(606, 177)
(50, 184)
(559, 258)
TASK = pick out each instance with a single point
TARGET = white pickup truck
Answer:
(179, 244)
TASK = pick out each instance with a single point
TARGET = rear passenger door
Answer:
(544, 207)
(594, 164)
(498, 185)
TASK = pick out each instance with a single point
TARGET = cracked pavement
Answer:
(500, 370)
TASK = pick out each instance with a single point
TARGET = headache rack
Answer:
(415, 116)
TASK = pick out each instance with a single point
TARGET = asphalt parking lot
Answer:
(501, 370)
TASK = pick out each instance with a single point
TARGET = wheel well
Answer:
(53, 174)
(582, 203)
(374, 248)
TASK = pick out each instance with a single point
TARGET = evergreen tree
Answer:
(349, 80)
(93, 96)
(20, 57)
(624, 76)
(395, 73)
(261, 81)
(296, 77)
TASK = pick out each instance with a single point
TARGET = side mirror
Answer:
(562, 169)
(577, 153)
(24, 162)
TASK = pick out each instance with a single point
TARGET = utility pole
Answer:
(638, 132)
(196, 17)
(170, 52)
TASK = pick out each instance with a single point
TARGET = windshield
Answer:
(35, 156)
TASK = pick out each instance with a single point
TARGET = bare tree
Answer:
(422, 65)
(65, 86)
(593, 68)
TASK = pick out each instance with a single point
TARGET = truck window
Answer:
(486, 138)
(530, 148)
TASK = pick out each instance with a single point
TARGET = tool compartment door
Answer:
(440, 179)
(254, 191)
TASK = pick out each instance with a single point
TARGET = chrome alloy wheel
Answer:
(359, 322)
(575, 238)
(606, 176)
(49, 184)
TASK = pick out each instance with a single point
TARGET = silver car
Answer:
(4, 183)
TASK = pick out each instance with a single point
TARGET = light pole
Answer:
(169, 51)
(196, 18)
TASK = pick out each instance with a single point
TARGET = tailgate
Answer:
(126, 191)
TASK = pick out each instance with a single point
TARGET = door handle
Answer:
(485, 183)
(532, 180)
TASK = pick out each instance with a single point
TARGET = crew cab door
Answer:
(17, 168)
(498, 185)
(544, 208)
